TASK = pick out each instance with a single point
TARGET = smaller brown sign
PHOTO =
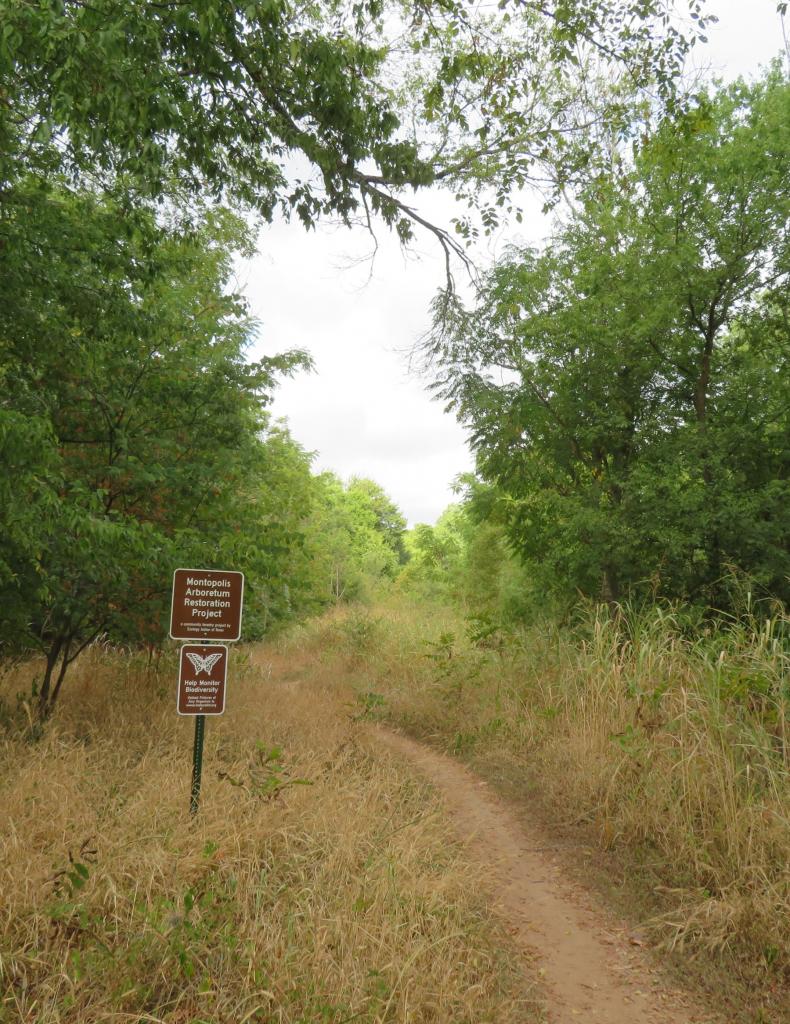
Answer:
(206, 604)
(202, 672)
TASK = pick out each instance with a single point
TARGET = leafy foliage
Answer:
(623, 387)
(133, 430)
(353, 540)
(134, 436)
(131, 419)
(466, 559)
(323, 108)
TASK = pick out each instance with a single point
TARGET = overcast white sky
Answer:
(361, 411)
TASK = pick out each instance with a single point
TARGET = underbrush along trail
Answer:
(655, 752)
(323, 880)
(319, 884)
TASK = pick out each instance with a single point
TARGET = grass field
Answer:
(319, 883)
(666, 748)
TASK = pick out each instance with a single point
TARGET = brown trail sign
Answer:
(206, 604)
(203, 670)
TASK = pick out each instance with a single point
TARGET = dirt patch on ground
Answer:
(593, 968)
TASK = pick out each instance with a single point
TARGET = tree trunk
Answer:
(60, 649)
(713, 543)
(64, 664)
(44, 705)
(610, 586)
(703, 380)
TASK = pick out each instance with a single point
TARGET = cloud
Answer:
(362, 411)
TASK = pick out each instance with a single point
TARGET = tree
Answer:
(602, 379)
(466, 559)
(123, 357)
(387, 517)
(268, 536)
(352, 539)
(321, 109)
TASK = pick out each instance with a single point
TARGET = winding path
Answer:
(592, 970)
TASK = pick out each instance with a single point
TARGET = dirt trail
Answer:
(592, 969)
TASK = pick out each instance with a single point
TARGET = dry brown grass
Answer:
(343, 900)
(672, 747)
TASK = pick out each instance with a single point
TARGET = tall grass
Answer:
(341, 900)
(669, 739)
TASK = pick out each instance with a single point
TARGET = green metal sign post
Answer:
(197, 763)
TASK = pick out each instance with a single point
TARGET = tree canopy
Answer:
(322, 108)
(624, 386)
(135, 437)
(131, 419)
(135, 140)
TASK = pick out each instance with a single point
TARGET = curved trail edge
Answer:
(590, 968)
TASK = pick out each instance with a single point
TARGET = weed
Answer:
(360, 631)
(267, 775)
(345, 899)
(666, 732)
(370, 705)
(67, 881)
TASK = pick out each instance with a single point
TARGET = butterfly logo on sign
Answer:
(201, 664)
